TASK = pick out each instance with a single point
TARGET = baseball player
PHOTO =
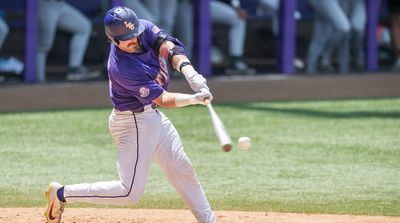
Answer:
(138, 79)
(329, 18)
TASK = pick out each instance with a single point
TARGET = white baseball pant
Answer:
(141, 138)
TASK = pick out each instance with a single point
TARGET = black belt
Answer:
(141, 109)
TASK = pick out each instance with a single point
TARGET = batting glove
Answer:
(210, 97)
(203, 97)
(196, 81)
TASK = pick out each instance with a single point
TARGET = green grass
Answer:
(311, 156)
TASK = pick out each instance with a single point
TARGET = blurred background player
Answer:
(232, 14)
(356, 13)
(173, 16)
(394, 8)
(271, 7)
(54, 14)
(162, 12)
(183, 24)
(11, 64)
(331, 29)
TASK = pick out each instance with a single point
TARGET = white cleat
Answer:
(55, 207)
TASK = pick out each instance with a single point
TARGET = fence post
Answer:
(286, 36)
(203, 36)
(371, 52)
(30, 41)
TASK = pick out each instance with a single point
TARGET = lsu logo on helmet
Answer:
(129, 25)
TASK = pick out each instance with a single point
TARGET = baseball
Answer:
(244, 142)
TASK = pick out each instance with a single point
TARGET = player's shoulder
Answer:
(151, 28)
(148, 25)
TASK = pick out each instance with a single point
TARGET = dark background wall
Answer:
(260, 42)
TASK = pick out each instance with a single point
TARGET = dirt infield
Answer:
(96, 215)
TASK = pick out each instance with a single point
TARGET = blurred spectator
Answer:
(183, 27)
(271, 7)
(145, 9)
(331, 29)
(54, 14)
(357, 16)
(12, 64)
(173, 16)
(230, 13)
(161, 12)
(3, 31)
(394, 8)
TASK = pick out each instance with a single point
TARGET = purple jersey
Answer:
(136, 79)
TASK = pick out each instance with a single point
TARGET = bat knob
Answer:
(227, 147)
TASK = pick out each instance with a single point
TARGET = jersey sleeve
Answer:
(144, 91)
(147, 92)
(151, 33)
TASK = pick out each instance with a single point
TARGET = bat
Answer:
(223, 137)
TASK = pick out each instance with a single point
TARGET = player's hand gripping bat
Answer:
(223, 137)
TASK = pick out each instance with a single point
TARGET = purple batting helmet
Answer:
(122, 23)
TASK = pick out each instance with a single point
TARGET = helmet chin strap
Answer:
(113, 40)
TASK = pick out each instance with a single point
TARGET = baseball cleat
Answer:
(240, 68)
(82, 73)
(55, 207)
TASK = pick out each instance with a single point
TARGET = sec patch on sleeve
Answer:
(144, 92)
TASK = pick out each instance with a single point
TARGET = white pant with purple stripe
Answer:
(141, 138)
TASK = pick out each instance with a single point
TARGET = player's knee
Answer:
(358, 31)
(85, 27)
(44, 47)
(344, 30)
(237, 22)
(135, 197)
(185, 170)
(88, 27)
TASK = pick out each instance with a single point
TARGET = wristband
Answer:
(184, 64)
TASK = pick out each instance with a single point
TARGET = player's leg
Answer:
(173, 161)
(73, 21)
(317, 43)
(328, 14)
(334, 13)
(134, 154)
(168, 10)
(358, 18)
(48, 15)
(142, 10)
(184, 25)
(225, 14)
(3, 31)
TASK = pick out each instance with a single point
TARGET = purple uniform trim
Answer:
(136, 79)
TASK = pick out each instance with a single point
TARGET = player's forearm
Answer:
(173, 100)
(195, 80)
